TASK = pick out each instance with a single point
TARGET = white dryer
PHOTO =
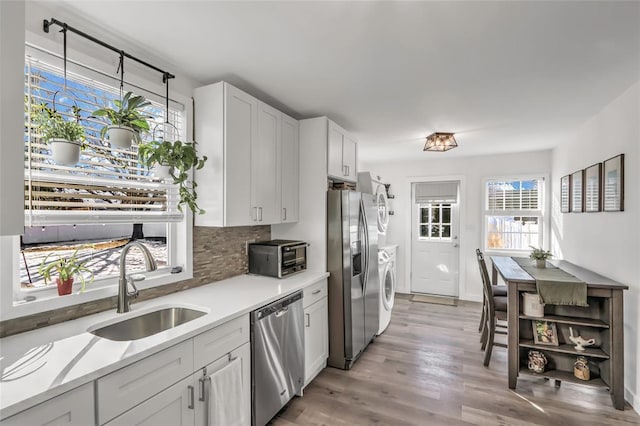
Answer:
(387, 274)
(375, 186)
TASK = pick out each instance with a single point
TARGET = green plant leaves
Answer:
(181, 157)
(127, 112)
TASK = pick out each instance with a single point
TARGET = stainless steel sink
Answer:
(148, 324)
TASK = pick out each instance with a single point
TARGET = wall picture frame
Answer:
(545, 333)
(593, 188)
(577, 192)
(613, 184)
(565, 194)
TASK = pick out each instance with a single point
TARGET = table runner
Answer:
(555, 286)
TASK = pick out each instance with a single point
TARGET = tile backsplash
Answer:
(218, 253)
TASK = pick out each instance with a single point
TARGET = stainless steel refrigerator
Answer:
(352, 260)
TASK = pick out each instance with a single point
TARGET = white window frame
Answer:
(542, 213)
(440, 223)
(179, 245)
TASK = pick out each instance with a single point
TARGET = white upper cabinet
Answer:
(342, 154)
(241, 183)
(290, 162)
(265, 173)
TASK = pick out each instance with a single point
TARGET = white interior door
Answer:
(435, 248)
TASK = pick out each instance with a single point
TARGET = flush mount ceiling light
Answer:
(440, 141)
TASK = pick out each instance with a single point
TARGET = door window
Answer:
(435, 222)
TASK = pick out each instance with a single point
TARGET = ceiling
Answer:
(505, 76)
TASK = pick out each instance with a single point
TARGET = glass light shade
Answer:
(440, 142)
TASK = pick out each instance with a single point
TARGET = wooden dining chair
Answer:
(498, 290)
(494, 312)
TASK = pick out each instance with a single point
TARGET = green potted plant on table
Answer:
(65, 137)
(540, 255)
(126, 120)
(67, 268)
(174, 160)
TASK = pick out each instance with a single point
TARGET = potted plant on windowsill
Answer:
(174, 160)
(67, 268)
(65, 137)
(126, 121)
(540, 255)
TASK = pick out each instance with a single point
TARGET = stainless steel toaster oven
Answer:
(277, 258)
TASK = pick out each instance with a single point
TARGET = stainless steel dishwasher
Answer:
(277, 356)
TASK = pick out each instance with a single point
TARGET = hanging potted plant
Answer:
(540, 256)
(65, 137)
(175, 160)
(126, 121)
(67, 268)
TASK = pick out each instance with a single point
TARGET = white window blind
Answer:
(436, 192)
(107, 185)
(514, 195)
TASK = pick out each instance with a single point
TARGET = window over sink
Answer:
(100, 203)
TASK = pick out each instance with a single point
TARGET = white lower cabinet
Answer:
(206, 378)
(173, 406)
(316, 339)
(172, 387)
(73, 408)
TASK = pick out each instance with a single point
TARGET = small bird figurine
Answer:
(579, 341)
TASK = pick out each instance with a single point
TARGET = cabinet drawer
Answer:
(73, 408)
(314, 292)
(212, 344)
(128, 387)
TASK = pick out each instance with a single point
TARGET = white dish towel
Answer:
(227, 396)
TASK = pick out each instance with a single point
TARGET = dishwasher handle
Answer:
(279, 307)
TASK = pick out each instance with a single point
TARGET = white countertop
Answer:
(41, 364)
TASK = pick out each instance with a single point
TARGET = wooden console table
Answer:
(602, 320)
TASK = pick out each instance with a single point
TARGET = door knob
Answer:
(456, 245)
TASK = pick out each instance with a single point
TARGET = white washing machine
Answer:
(387, 274)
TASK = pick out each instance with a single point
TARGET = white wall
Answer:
(607, 243)
(11, 115)
(471, 171)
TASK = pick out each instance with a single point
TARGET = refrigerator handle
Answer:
(366, 247)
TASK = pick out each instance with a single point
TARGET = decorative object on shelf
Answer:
(179, 158)
(531, 305)
(65, 137)
(540, 255)
(67, 268)
(537, 362)
(581, 369)
(545, 333)
(579, 341)
(565, 194)
(440, 142)
(577, 192)
(613, 184)
(126, 120)
(593, 188)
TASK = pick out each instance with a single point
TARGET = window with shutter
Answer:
(513, 214)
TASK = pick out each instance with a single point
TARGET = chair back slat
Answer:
(486, 283)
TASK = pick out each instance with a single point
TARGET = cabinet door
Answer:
(174, 406)
(316, 339)
(240, 133)
(290, 160)
(265, 174)
(73, 408)
(335, 165)
(349, 158)
(203, 396)
(129, 386)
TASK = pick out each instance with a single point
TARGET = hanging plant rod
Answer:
(46, 25)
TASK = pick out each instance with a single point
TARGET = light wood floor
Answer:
(426, 369)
